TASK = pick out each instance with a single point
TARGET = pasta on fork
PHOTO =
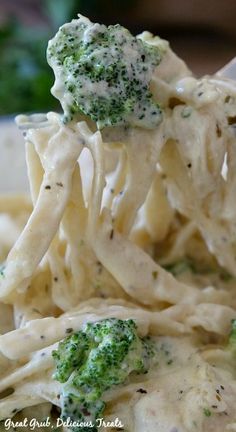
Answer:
(119, 294)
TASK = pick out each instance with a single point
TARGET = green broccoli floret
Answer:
(91, 361)
(104, 73)
(232, 338)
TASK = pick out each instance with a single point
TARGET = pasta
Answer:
(111, 217)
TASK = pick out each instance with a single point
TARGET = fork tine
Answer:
(229, 70)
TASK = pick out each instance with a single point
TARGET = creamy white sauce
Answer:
(183, 393)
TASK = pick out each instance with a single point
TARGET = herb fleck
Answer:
(154, 274)
(2, 270)
(207, 412)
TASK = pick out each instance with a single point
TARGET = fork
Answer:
(228, 71)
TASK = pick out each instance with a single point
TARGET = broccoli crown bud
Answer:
(91, 361)
(104, 73)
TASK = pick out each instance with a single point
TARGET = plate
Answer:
(13, 172)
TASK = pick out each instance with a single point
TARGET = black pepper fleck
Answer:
(218, 130)
(48, 187)
(69, 330)
(112, 234)
(100, 267)
(85, 412)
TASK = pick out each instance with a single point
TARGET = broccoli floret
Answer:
(104, 73)
(232, 338)
(71, 354)
(93, 360)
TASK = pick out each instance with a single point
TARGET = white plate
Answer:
(13, 172)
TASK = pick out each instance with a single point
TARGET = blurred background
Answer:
(202, 32)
